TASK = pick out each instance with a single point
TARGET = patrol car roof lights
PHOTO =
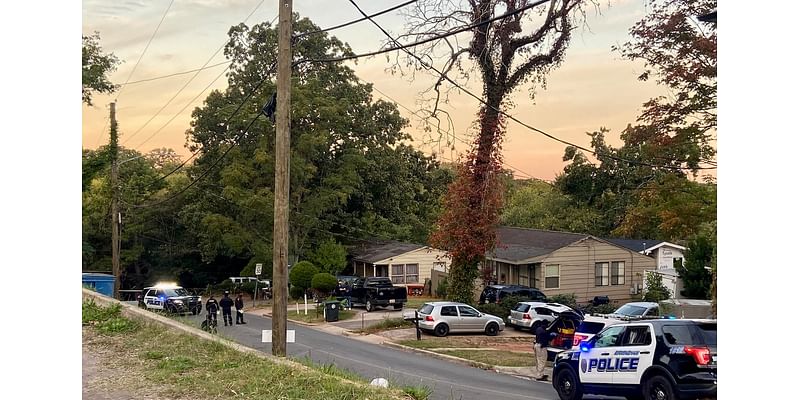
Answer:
(165, 285)
(585, 346)
(701, 354)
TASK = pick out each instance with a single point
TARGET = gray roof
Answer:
(372, 253)
(518, 244)
(637, 245)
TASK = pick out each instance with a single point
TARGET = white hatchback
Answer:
(532, 314)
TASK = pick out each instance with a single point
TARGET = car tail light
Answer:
(428, 318)
(578, 338)
(526, 316)
(702, 355)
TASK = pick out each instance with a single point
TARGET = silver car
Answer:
(443, 317)
(532, 314)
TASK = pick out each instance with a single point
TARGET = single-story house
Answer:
(666, 254)
(404, 263)
(568, 263)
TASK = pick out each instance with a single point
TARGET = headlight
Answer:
(176, 301)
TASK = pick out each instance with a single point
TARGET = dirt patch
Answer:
(506, 344)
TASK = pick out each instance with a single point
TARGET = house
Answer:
(568, 263)
(405, 263)
(667, 256)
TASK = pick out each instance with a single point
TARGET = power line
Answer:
(356, 20)
(145, 49)
(179, 73)
(444, 76)
(186, 85)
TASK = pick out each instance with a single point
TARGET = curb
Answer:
(443, 356)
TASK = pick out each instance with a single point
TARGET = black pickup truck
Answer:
(374, 292)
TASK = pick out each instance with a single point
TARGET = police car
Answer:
(171, 298)
(658, 359)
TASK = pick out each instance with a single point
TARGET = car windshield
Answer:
(425, 309)
(176, 292)
(631, 310)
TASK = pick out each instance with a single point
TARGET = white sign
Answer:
(266, 336)
(258, 268)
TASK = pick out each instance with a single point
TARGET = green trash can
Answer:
(332, 311)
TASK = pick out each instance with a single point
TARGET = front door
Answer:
(153, 299)
(468, 318)
(634, 354)
(594, 363)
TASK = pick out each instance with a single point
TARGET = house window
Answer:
(412, 273)
(601, 274)
(398, 273)
(551, 276)
(617, 273)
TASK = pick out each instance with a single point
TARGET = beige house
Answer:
(405, 263)
(568, 263)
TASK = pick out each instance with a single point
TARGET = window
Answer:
(601, 274)
(522, 307)
(398, 273)
(551, 276)
(636, 336)
(449, 311)
(412, 273)
(467, 311)
(617, 273)
(543, 311)
(677, 334)
(609, 337)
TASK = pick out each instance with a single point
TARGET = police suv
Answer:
(170, 298)
(658, 359)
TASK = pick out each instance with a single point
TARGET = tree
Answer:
(656, 290)
(96, 67)
(539, 205)
(323, 283)
(506, 56)
(302, 274)
(695, 273)
(330, 256)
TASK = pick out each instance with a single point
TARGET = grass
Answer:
(433, 343)
(493, 357)
(184, 366)
(414, 302)
(387, 324)
(314, 317)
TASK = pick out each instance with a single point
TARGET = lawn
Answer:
(493, 357)
(414, 302)
(184, 366)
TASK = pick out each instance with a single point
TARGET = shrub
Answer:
(330, 257)
(492, 308)
(441, 289)
(296, 293)
(600, 309)
(302, 273)
(324, 283)
(569, 300)
(656, 289)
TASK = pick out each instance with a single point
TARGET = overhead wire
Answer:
(355, 20)
(444, 76)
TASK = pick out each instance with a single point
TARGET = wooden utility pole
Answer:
(113, 148)
(280, 237)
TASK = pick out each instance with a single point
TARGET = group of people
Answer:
(225, 303)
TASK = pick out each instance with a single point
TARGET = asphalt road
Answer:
(448, 380)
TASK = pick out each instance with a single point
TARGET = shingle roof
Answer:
(517, 244)
(637, 245)
(372, 253)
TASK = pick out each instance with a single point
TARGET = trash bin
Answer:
(331, 311)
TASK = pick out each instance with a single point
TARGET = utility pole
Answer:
(113, 148)
(280, 237)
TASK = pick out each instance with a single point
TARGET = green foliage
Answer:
(330, 257)
(324, 283)
(503, 309)
(696, 278)
(441, 288)
(656, 290)
(537, 204)
(296, 293)
(601, 309)
(569, 300)
(107, 319)
(302, 273)
(418, 392)
(96, 66)
(461, 282)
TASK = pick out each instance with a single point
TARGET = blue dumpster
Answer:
(102, 283)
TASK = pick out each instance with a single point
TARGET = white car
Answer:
(574, 333)
(532, 314)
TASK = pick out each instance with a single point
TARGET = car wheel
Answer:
(658, 388)
(369, 305)
(567, 385)
(172, 310)
(441, 330)
(492, 329)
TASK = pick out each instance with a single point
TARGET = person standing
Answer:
(239, 303)
(212, 307)
(226, 303)
(540, 343)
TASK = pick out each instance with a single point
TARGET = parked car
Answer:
(665, 359)
(377, 292)
(443, 317)
(532, 314)
(496, 293)
(171, 298)
(637, 310)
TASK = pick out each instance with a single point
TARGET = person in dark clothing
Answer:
(212, 307)
(239, 303)
(540, 343)
(226, 303)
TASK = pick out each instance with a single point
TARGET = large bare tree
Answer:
(508, 54)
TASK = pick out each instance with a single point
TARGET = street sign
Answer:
(258, 268)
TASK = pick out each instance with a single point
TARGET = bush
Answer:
(330, 257)
(569, 300)
(324, 283)
(600, 309)
(503, 309)
(441, 289)
(302, 273)
(296, 293)
(492, 308)
(656, 289)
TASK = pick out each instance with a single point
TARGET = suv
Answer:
(532, 314)
(496, 293)
(170, 298)
(664, 359)
(642, 309)
(584, 329)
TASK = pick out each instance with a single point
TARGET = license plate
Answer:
(391, 301)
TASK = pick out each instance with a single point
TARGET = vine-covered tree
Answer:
(96, 66)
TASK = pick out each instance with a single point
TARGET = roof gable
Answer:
(377, 252)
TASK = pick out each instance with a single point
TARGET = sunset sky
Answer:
(594, 87)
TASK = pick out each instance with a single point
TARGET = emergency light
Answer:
(585, 346)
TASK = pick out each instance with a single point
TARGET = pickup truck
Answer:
(377, 292)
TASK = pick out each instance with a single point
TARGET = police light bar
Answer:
(585, 346)
(165, 285)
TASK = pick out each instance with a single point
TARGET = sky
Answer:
(593, 88)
